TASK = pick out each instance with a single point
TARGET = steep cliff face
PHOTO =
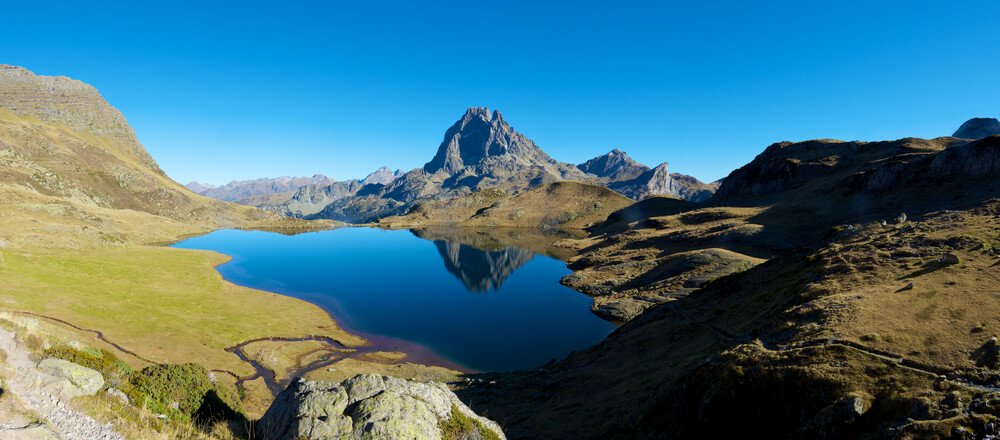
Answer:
(660, 182)
(978, 128)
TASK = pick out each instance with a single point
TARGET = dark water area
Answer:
(486, 310)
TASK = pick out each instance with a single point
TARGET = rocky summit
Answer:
(978, 128)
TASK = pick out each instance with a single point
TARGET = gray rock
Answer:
(366, 406)
(622, 310)
(118, 394)
(86, 381)
(950, 259)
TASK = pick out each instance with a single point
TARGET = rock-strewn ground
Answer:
(37, 403)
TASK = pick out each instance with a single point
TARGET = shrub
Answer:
(460, 427)
(158, 386)
(115, 371)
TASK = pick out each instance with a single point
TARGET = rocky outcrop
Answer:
(980, 158)
(370, 406)
(978, 128)
(963, 159)
(616, 170)
(659, 182)
(75, 380)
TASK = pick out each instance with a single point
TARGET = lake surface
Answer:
(496, 310)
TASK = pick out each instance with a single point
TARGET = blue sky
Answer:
(235, 90)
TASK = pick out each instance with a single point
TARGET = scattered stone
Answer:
(901, 219)
(882, 222)
(118, 394)
(366, 406)
(950, 259)
(622, 310)
(908, 287)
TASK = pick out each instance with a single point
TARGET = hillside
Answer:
(73, 174)
(565, 205)
(84, 211)
(861, 323)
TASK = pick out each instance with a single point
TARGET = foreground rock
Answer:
(74, 380)
(370, 406)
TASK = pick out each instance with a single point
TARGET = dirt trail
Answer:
(26, 383)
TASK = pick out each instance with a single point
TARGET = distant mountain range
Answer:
(480, 151)
(259, 191)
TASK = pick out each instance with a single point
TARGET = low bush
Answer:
(157, 387)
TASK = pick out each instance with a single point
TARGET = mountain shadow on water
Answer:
(479, 270)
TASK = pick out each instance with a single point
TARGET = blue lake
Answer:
(487, 310)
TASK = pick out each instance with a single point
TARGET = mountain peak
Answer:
(480, 113)
(479, 137)
(381, 176)
(978, 128)
(616, 165)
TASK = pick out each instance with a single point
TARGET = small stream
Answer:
(337, 352)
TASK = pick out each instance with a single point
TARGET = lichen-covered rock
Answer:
(86, 381)
(366, 406)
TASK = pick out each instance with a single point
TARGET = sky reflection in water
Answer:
(489, 311)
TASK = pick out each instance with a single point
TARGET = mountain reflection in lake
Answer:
(393, 284)
(481, 270)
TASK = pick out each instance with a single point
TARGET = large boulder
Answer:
(370, 406)
(76, 380)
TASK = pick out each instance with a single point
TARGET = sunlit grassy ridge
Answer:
(168, 305)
